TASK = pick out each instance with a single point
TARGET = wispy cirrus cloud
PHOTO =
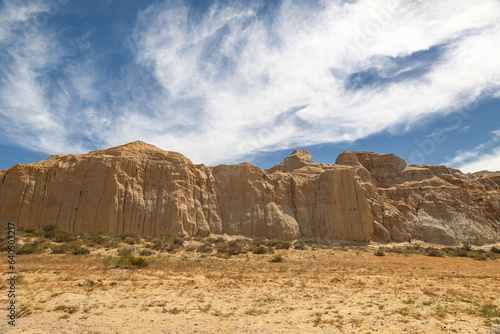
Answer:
(248, 73)
(485, 156)
(241, 78)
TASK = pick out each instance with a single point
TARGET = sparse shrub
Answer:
(52, 232)
(29, 249)
(234, 247)
(24, 310)
(157, 244)
(379, 253)
(206, 248)
(4, 246)
(145, 252)
(479, 257)
(129, 238)
(20, 279)
(433, 252)
(270, 242)
(174, 310)
(276, 259)
(467, 247)
(178, 241)
(69, 247)
(282, 245)
(488, 310)
(125, 251)
(462, 253)
(80, 251)
(30, 231)
(300, 245)
(495, 250)
(219, 240)
(260, 250)
(138, 262)
(171, 248)
(205, 309)
(66, 308)
(441, 311)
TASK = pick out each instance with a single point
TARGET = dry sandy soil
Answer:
(322, 290)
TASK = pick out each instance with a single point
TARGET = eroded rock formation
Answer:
(142, 189)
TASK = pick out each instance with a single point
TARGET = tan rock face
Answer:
(141, 189)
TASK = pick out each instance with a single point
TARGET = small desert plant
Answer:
(80, 251)
(205, 309)
(145, 252)
(486, 310)
(174, 310)
(20, 279)
(282, 245)
(138, 262)
(69, 248)
(379, 253)
(317, 319)
(433, 252)
(24, 310)
(440, 311)
(53, 233)
(300, 245)
(234, 247)
(276, 259)
(30, 248)
(66, 308)
(260, 250)
(495, 250)
(93, 239)
(206, 248)
(125, 251)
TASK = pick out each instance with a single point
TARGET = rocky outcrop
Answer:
(436, 204)
(141, 189)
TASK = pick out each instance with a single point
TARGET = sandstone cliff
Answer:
(141, 189)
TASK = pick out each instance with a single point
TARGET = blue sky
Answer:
(232, 81)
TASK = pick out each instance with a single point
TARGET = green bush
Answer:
(260, 250)
(29, 231)
(300, 245)
(234, 247)
(29, 249)
(282, 245)
(96, 238)
(74, 248)
(206, 248)
(125, 251)
(495, 250)
(80, 251)
(146, 252)
(276, 259)
(53, 233)
(433, 252)
(138, 262)
(379, 253)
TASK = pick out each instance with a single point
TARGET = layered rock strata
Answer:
(138, 188)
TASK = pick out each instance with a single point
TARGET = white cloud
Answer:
(485, 156)
(472, 161)
(249, 74)
(233, 82)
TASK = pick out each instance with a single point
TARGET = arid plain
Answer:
(216, 285)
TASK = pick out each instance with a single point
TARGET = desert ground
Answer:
(312, 289)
